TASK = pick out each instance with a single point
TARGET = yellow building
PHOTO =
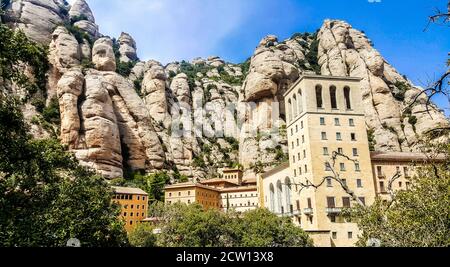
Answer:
(134, 204)
(396, 169)
(325, 116)
(229, 192)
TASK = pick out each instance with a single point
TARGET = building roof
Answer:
(249, 181)
(217, 180)
(129, 190)
(238, 189)
(405, 157)
(189, 184)
(231, 170)
(279, 168)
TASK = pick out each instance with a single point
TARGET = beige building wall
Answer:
(240, 200)
(314, 132)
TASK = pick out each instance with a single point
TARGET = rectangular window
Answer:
(346, 202)
(344, 181)
(357, 167)
(333, 218)
(334, 235)
(353, 137)
(325, 151)
(337, 122)
(382, 189)
(293, 159)
(359, 183)
(329, 183)
(309, 203)
(322, 121)
(351, 122)
(379, 171)
(405, 170)
(298, 204)
(301, 124)
(355, 152)
(330, 202)
(342, 165)
(296, 128)
(324, 136)
(340, 150)
(350, 235)
(303, 139)
(306, 168)
(298, 142)
(327, 166)
(300, 170)
(338, 136)
(363, 200)
(295, 173)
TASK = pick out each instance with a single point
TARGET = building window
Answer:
(295, 173)
(179, 194)
(309, 203)
(322, 121)
(333, 218)
(319, 98)
(342, 166)
(327, 166)
(355, 152)
(189, 201)
(300, 170)
(296, 128)
(303, 139)
(189, 193)
(351, 122)
(131, 222)
(359, 183)
(329, 183)
(340, 150)
(405, 170)
(298, 204)
(357, 167)
(363, 200)
(292, 132)
(353, 137)
(170, 194)
(346, 202)
(306, 168)
(337, 122)
(301, 124)
(293, 159)
(347, 97)
(350, 235)
(298, 155)
(382, 189)
(334, 235)
(338, 136)
(324, 136)
(344, 182)
(333, 97)
(137, 197)
(379, 171)
(304, 153)
(325, 151)
(331, 202)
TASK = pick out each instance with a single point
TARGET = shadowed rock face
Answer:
(114, 123)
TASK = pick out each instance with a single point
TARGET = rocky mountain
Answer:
(121, 115)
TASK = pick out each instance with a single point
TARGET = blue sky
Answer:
(173, 30)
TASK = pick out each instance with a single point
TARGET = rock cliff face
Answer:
(179, 117)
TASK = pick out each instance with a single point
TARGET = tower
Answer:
(325, 114)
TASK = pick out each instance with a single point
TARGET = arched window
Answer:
(294, 105)
(287, 192)
(347, 97)
(289, 112)
(279, 198)
(333, 97)
(300, 102)
(272, 198)
(319, 98)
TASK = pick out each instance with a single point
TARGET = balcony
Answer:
(308, 211)
(333, 210)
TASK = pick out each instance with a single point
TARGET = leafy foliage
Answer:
(75, 19)
(16, 49)
(418, 217)
(51, 113)
(193, 226)
(45, 196)
(79, 34)
(142, 236)
(400, 90)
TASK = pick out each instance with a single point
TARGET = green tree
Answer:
(45, 196)
(153, 184)
(417, 217)
(261, 228)
(142, 236)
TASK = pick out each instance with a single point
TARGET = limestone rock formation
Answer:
(37, 18)
(344, 51)
(127, 48)
(103, 55)
(193, 118)
(80, 9)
